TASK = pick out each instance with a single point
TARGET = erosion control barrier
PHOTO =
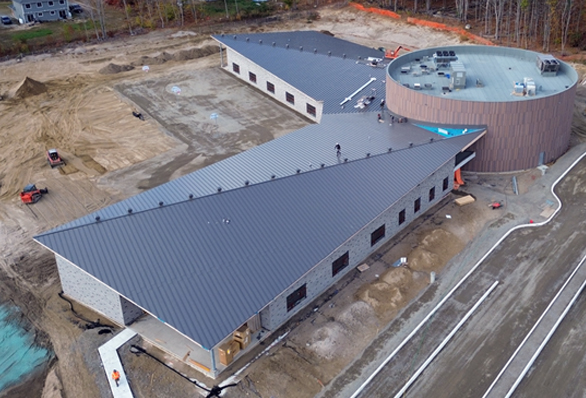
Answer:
(423, 22)
(442, 26)
(385, 13)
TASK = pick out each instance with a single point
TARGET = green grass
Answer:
(31, 34)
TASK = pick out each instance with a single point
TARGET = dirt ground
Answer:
(81, 101)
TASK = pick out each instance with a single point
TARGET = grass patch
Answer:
(31, 34)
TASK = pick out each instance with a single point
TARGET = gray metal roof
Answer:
(327, 78)
(305, 149)
(207, 265)
(497, 68)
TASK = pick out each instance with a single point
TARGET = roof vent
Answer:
(219, 189)
(368, 155)
(260, 42)
(246, 182)
(190, 196)
(129, 211)
(274, 44)
(431, 139)
(234, 37)
(298, 171)
(322, 165)
(273, 177)
(390, 149)
(329, 53)
(161, 204)
(300, 48)
(344, 56)
(247, 39)
(410, 144)
(315, 50)
(345, 160)
(222, 35)
(287, 45)
(97, 218)
(359, 57)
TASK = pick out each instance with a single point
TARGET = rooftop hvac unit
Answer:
(531, 88)
(518, 88)
(547, 65)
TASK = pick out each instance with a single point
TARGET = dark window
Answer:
(39, 5)
(252, 77)
(61, 1)
(401, 216)
(432, 194)
(40, 14)
(446, 182)
(340, 263)
(417, 205)
(290, 98)
(311, 109)
(52, 12)
(50, 3)
(295, 298)
(235, 67)
(270, 87)
(27, 6)
(377, 235)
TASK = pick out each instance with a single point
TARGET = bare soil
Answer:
(80, 101)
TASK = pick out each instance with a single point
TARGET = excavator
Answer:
(394, 54)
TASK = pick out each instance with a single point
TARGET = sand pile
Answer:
(29, 88)
(113, 69)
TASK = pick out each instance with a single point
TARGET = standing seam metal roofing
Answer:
(325, 78)
(358, 134)
(207, 265)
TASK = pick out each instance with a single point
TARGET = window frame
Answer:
(446, 183)
(235, 68)
(377, 235)
(298, 295)
(28, 6)
(310, 109)
(270, 87)
(39, 14)
(290, 98)
(417, 205)
(402, 216)
(252, 77)
(431, 194)
(39, 5)
(51, 4)
(340, 263)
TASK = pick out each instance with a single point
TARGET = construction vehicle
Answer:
(31, 194)
(53, 158)
(394, 54)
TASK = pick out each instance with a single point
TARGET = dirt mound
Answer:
(29, 88)
(183, 55)
(113, 69)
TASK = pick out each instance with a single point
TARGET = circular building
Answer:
(525, 100)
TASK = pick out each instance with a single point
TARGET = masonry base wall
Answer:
(84, 288)
(320, 278)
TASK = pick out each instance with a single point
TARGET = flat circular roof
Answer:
(490, 73)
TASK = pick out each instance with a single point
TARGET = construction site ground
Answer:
(83, 107)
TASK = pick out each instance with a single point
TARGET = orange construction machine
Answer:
(394, 54)
(31, 194)
(53, 158)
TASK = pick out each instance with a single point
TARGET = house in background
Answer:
(40, 10)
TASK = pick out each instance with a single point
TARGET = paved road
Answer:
(531, 264)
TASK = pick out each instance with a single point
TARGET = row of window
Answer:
(344, 260)
(40, 5)
(40, 14)
(290, 98)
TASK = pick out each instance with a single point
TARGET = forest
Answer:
(543, 25)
